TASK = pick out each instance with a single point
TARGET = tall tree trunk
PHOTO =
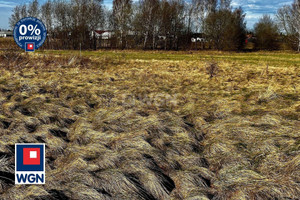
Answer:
(153, 39)
(166, 43)
(95, 41)
(299, 43)
(121, 39)
(145, 40)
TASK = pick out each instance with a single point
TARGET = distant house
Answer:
(250, 42)
(108, 38)
(104, 37)
(198, 41)
(6, 33)
(103, 34)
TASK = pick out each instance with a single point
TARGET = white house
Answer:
(6, 33)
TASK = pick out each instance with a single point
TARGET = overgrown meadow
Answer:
(152, 124)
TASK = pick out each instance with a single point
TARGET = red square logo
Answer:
(31, 156)
(30, 46)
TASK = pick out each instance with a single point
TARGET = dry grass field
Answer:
(153, 125)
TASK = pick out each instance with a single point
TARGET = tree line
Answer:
(159, 24)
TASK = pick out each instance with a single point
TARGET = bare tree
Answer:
(178, 25)
(19, 12)
(172, 22)
(122, 19)
(211, 5)
(296, 19)
(266, 32)
(47, 10)
(95, 19)
(225, 4)
(33, 9)
(226, 29)
(16, 16)
(202, 8)
(199, 11)
(63, 23)
(47, 17)
(289, 21)
(146, 20)
(107, 18)
(24, 12)
(188, 16)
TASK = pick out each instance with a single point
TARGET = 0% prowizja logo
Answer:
(30, 33)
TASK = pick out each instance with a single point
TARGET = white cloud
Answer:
(254, 9)
(7, 4)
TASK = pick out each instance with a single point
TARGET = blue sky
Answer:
(253, 8)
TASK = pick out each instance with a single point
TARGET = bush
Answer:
(267, 34)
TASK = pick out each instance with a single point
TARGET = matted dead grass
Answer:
(151, 129)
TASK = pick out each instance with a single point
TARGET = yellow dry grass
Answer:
(128, 128)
